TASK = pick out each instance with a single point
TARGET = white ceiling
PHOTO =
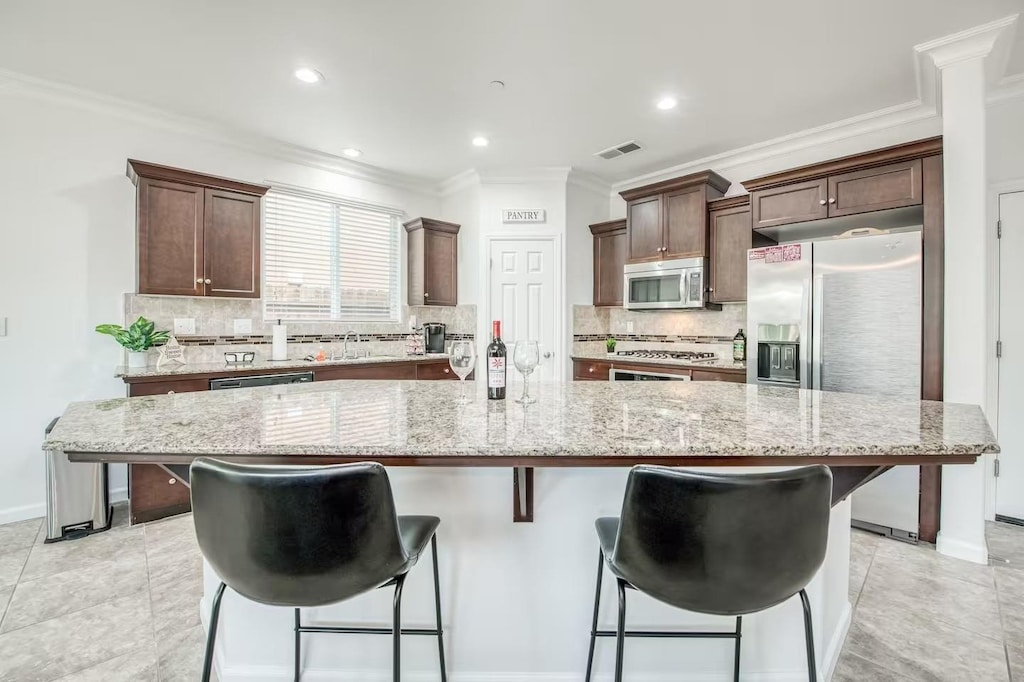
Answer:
(407, 82)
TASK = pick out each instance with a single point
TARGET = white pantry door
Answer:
(1010, 484)
(523, 296)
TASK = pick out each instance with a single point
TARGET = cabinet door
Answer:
(440, 268)
(730, 238)
(170, 239)
(874, 189)
(590, 370)
(440, 369)
(707, 375)
(789, 204)
(644, 233)
(609, 259)
(686, 227)
(231, 238)
(396, 370)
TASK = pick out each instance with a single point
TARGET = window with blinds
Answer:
(328, 259)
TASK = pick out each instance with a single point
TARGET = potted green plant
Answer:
(610, 346)
(136, 339)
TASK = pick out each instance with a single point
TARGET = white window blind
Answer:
(328, 259)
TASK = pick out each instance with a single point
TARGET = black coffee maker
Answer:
(433, 337)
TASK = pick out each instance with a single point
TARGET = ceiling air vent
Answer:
(619, 150)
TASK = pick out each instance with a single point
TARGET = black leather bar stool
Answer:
(309, 536)
(722, 544)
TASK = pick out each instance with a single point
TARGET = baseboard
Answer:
(827, 666)
(958, 549)
(38, 510)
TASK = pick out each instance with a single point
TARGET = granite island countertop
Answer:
(571, 424)
(222, 368)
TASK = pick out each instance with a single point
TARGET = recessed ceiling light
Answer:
(352, 153)
(666, 103)
(308, 75)
(480, 141)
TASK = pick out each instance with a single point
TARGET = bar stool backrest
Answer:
(723, 543)
(297, 536)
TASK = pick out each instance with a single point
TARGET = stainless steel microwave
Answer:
(664, 285)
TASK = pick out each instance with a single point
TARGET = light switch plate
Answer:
(412, 322)
(184, 326)
(629, 327)
(243, 325)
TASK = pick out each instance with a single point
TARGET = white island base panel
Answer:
(517, 599)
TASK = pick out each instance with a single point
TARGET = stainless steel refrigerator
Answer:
(844, 314)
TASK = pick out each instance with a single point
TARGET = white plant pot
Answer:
(137, 359)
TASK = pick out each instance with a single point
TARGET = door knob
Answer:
(548, 355)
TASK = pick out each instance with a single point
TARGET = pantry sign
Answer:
(523, 215)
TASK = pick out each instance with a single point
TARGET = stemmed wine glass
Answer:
(526, 357)
(462, 358)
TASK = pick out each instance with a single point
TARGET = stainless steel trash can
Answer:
(77, 501)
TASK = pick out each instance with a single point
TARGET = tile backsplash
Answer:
(215, 326)
(705, 330)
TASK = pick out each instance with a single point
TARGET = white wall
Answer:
(1006, 141)
(67, 246)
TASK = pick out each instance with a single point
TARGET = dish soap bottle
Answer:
(739, 347)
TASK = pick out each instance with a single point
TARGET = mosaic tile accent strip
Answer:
(260, 340)
(652, 338)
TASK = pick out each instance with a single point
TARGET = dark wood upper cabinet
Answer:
(731, 236)
(794, 203)
(609, 259)
(669, 219)
(644, 236)
(198, 235)
(433, 262)
(875, 189)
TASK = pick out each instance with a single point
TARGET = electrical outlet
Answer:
(412, 322)
(243, 325)
(629, 327)
(184, 326)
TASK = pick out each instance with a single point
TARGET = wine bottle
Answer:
(496, 355)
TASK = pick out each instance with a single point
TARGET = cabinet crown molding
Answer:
(608, 226)
(431, 224)
(137, 169)
(707, 177)
(735, 201)
(879, 157)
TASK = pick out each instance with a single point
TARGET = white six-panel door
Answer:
(1010, 484)
(523, 295)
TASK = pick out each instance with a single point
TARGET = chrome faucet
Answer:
(344, 346)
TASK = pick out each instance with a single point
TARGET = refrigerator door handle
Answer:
(817, 330)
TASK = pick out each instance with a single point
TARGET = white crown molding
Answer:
(18, 84)
(973, 43)
(874, 121)
(518, 176)
(457, 183)
(588, 181)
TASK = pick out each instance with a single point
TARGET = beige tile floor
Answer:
(122, 606)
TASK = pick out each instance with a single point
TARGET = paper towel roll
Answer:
(280, 344)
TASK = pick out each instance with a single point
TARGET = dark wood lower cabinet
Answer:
(155, 493)
(600, 370)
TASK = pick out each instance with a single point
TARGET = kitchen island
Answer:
(517, 597)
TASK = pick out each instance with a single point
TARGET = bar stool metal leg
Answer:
(396, 631)
(211, 636)
(812, 670)
(620, 635)
(597, 608)
(736, 665)
(437, 607)
(297, 645)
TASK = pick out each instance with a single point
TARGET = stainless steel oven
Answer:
(644, 375)
(664, 285)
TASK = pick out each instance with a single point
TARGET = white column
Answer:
(961, 59)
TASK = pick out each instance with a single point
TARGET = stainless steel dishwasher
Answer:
(261, 380)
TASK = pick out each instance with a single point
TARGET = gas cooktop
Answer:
(684, 355)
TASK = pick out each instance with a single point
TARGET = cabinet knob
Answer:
(170, 392)
(426, 295)
(590, 369)
(199, 280)
(172, 481)
(831, 200)
(447, 371)
(208, 281)
(822, 202)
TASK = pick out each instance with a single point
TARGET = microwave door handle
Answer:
(684, 288)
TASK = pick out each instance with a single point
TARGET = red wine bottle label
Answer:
(496, 372)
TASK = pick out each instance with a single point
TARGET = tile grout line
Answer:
(149, 589)
(1002, 627)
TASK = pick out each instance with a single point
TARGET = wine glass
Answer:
(526, 357)
(462, 358)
